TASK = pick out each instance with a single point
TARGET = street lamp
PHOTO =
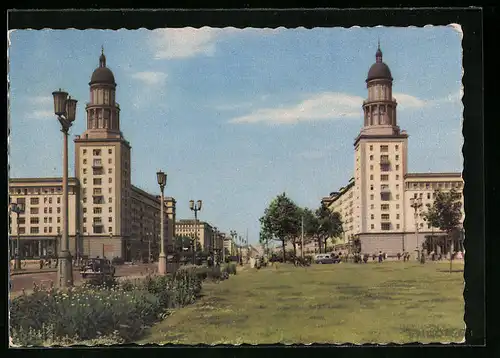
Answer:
(162, 260)
(77, 246)
(214, 245)
(65, 110)
(195, 207)
(416, 204)
(17, 208)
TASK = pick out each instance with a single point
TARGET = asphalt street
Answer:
(20, 282)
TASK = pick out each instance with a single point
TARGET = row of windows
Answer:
(384, 196)
(36, 191)
(97, 181)
(434, 185)
(99, 229)
(97, 171)
(36, 201)
(385, 157)
(110, 161)
(97, 152)
(384, 216)
(36, 230)
(385, 148)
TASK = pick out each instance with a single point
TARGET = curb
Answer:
(33, 272)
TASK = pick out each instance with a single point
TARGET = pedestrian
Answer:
(399, 256)
(50, 262)
(41, 263)
(385, 256)
(380, 256)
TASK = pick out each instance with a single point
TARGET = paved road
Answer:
(20, 282)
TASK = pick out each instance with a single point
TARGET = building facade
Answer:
(113, 217)
(375, 206)
(202, 231)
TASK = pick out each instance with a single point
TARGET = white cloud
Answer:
(150, 78)
(39, 107)
(41, 101)
(184, 42)
(41, 114)
(327, 105)
(408, 101)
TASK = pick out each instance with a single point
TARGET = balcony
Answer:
(385, 190)
(97, 163)
(384, 160)
(95, 224)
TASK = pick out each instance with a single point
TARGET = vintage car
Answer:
(97, 268)
(326, 259)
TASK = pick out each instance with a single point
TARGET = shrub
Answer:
(231, 268)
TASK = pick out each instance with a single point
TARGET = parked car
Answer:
(326, 259)
(97, 268)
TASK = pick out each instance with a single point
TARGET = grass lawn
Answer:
(356, 303)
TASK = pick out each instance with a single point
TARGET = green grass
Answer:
(347, 303)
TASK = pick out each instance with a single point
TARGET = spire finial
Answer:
(378, 55)
(379, 42)
(102, 48)
(102, 58)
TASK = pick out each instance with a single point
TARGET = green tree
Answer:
(311, 225)
(330, 225)
(446, 214)
(281, 220)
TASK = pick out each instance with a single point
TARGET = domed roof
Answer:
(379, 69)
(102, 74)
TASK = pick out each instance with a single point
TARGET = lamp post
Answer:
(77, 246)
(214, 245)
(195, 207)
(162, 260)
(416, 204)
(17, 208)
(233, 234)
(65, 110)
(241, 250)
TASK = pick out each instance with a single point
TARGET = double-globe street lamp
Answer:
(195, 207)
(65, 110)
(162, 260)
(416, 204)
(17, 208)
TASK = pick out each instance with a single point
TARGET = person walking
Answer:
(380, 256)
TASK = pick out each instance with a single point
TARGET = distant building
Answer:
(375, 205)
(108, 216)
(203, 231)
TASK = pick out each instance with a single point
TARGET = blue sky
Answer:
(236, 117)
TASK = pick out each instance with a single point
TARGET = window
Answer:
(45, 220)
(96, 152)
(385, 226)
(84, 219)
(45, 200)
(428, 195)
(84, 210)
(50, 210)
(371, 197)
(110, 151)
(22, 230)
(84, 151)
(110, 180)
(397, 157)
(397, 216)
(110, 200)
(84, 200)
(372, 226)
(45, 210)
(97, 210)
(371, 147)
(50, 220)
(397, 166)
(384, 207)
(421, 194)
(372, 206)
(110, 219)
(397, 176)
(110, 170)
(110, 209)
(415, 195)
(84, 170)
(59, 200)
(397, 206)
(84, 161)
(34, 230)
(34, 201)
(371, 187)
(371, 177)
(33, 210)
(84, 180)
(58, 210)
(421, 224)
(110, 190)
(84, 229)
(385, 216)
(371, 167)
(384, 177)
(50, 200)
(58, 219)
(397, 226)
(45, 229)
(397, 196)
(372, 216)
(371, 157)
(110, 161)
(110, 229)
(34, 220)
(396, 147)
(97, 181)
(384, 148)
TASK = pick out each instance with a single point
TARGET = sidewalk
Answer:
(36, 271)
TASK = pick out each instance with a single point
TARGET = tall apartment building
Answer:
(203, 231)
(112, 216)
(375, 205)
